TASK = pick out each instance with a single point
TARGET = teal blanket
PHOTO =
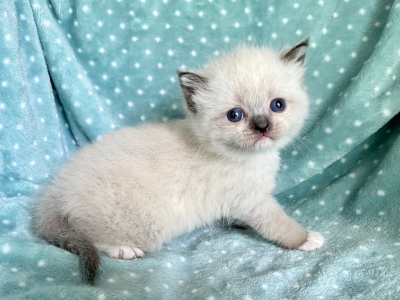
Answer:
(71, 71)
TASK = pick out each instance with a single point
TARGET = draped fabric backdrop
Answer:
(71, 71)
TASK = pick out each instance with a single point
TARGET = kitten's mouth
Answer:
(263, 138)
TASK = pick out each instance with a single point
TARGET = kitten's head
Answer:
(249, 100)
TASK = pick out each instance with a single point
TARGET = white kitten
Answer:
(140, 187)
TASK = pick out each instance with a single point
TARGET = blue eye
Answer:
(235, 115)
(277, 105)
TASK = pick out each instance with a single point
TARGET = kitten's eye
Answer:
(235, 115)
(277, 105)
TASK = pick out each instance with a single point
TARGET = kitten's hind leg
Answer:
(121, 251)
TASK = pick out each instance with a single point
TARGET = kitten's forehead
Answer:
(257, 69)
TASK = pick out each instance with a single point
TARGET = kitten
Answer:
(140, 187)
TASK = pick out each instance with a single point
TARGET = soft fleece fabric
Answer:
(71, 71)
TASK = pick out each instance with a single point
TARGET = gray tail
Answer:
(67, 238)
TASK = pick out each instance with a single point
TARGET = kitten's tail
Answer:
(65, 237)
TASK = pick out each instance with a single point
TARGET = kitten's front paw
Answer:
(314, 241)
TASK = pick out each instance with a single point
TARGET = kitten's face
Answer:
(250, 100)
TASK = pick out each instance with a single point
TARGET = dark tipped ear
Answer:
(297, 53)
(191, 83)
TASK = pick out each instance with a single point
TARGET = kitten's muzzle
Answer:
(260, 123)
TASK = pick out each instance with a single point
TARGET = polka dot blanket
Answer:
(71, 71)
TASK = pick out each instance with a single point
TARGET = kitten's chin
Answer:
(263, 142)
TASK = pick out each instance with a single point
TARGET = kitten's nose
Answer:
(261, 123)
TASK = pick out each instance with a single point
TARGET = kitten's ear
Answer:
(191, 83)
(297, 53)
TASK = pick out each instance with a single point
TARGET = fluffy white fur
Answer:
(138, 188)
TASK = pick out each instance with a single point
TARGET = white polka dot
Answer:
(311, 164)
(341, 70)
(381, 193)
(327, 58)
(284, 20)
(362, 11)
(6, 249)
(353, 54)
(328, 130)
(357, 123)
(101, 297)
(386, 112)
(274, 35)
(41, 263)
(349, 141)
(320, 147)
(309, 17)
(349, 27)
(324, 31)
